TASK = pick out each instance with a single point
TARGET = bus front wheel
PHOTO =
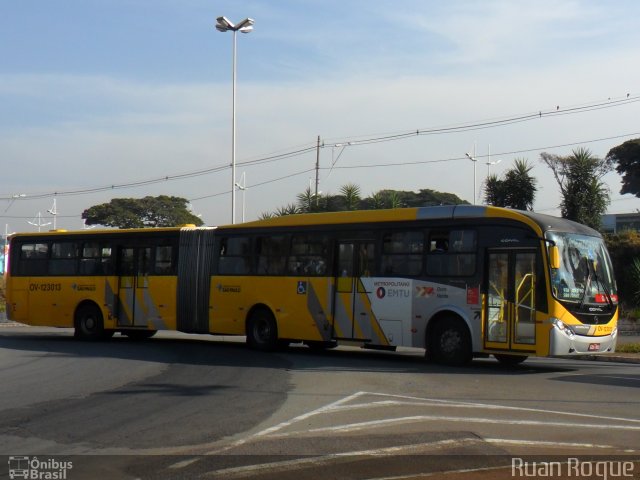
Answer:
(451, 343)
(89, 324)
(262, 330)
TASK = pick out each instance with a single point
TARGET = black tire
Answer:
(451, 342)
(89, 324)
(262, 330)
(510, 360)
(139, 334)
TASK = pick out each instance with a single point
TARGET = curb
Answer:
(11, 323)
(620, 358)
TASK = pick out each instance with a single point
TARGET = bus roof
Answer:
(539, 222)
(107, 231)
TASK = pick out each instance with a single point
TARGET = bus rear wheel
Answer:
(262, 330)
(451, 343)
(89, 324)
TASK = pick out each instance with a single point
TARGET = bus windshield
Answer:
(585, 275)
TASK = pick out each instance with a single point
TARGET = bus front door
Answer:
(133, 271)
(352, 315)
(510, 309)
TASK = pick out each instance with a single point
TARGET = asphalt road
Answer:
(180, 406)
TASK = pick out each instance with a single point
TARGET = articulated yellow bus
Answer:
(457, 281)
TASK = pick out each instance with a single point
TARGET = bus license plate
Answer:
(594, 347)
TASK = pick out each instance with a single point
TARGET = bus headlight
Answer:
(563, 327)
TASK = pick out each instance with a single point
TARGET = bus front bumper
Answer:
(563, 341)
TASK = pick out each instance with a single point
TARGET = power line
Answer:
(377, 165)
(493, 154)
(354, 142)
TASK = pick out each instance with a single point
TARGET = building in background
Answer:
(618, 222)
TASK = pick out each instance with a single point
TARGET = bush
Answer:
(628, 348)
(624, 248)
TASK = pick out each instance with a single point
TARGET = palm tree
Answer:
(520, 186)
(516, 190)
(351, 195)
(585, 197)
(377, 201)
(494, 191)
(307, 201)
(394, 200)
(290, 209)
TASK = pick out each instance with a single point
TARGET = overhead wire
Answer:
(354, 141)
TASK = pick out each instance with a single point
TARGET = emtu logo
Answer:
(381, 292)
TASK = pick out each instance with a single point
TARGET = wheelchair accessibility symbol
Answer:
(302, 287)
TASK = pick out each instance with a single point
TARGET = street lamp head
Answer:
(471, 158)
(224, 25)
(246, 25)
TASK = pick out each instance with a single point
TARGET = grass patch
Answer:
(628, 348)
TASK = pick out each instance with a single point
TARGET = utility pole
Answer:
(317, 169)
(54, 211)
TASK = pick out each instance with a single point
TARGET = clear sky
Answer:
(102, 93)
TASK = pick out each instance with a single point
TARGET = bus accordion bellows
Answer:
(458, 281)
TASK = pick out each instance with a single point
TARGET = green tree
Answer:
(289, 209)
(519, 186)
(585, 197)
(351, 196)
(494, 191)
(394, 200)
(516, 190)
(376, 201)
(626, 158)
(307, 201)
(161, 211)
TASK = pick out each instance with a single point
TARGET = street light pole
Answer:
(245, 26)
(489, 162)
(474, 160)
(243, 186)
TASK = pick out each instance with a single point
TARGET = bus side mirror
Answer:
(554, 257)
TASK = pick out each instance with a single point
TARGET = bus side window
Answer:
(106, 260)
(402, 252)
(90, 259)
(309, 255)
(163, 260)
(452, 253)
(272, 255)
(33, 259)
(64, 258)
(437, 262)
(234, 256)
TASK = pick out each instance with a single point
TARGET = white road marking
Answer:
(344, 404)
(322, 459)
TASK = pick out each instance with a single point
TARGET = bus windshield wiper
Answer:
(603, 284)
